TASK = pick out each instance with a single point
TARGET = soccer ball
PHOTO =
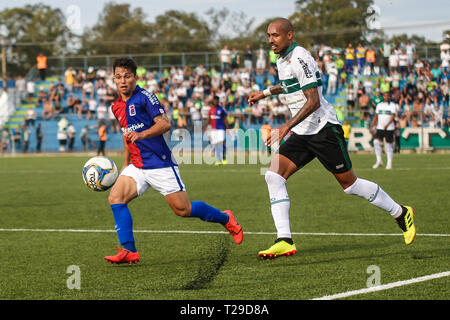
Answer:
(100, 173)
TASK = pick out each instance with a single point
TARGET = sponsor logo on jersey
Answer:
(132, 110)
(306, 70)
(133, 127)
(153, 99)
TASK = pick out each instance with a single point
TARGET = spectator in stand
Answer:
(445, 59)
(47, 111)
(332, 80)
(248, 58)
(417, 113)
(438, 117)
(349, 59)
(428, 111)
(364, 104)
(39, 137)
(102, 138)
(360, 57)
(69, 79)
(41, 65)
(92, 109)
(102, 111)
(4, 139)
(80, 78)
(30, 89)
(30, 117)
(351, 97)
(403, 63)
(21, 87)
(141, 71)
(386, 49)
(235, 59)
(225, 59)
(62, 134)
(71, 134)
(25, 132)
(70, 104)
(91, 75)
(393, 60)
(436, 71)
(85, 140)
(371, 59)
(411, 53)
(261, 57)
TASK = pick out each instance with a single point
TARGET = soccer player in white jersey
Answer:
(315, 133)
(385, 113)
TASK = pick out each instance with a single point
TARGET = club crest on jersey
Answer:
(132, 110)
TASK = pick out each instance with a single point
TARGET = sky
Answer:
(431, 17)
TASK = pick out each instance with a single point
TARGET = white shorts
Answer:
(163, 180)
(260, 64)
(217, 136)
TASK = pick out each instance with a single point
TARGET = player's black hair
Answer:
(125, 62)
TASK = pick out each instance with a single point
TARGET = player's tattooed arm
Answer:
(255, 96)
(162, 117)
(161, 126)
(312, 104)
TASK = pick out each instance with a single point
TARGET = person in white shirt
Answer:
(314, 132)
(102, 111)
(92, 111)
(225, 59)
(383, 121)
(403, 61)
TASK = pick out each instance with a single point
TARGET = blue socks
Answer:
(124, 225)
(124, 221)
(207, 213)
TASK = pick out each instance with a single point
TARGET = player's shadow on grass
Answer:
(209, 267)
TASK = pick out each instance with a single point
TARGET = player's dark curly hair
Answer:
(125, 62)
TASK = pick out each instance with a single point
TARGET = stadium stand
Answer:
(185, 94)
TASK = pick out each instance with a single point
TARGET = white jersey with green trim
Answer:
(298, 72)
(384, 111)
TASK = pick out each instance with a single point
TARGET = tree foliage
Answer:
(335, 23)
(30, 30)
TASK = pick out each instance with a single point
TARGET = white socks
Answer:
(389, 149)
(378, 150)
(375, 195)
(280, 203)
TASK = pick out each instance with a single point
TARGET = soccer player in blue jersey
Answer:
(217, 120)
(148, 162)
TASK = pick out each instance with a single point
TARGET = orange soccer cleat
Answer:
(124, 256)
(234, 227)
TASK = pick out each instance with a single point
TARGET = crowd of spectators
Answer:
(361, 73)
(418, 86)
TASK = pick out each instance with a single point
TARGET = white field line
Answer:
(230, 169)
(222, 232)
(384, 286)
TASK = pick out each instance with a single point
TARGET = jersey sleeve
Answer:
(152, 104)
(224, 112)
(377, 109)
(303, 68)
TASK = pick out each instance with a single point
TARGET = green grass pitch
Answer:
(177, 263)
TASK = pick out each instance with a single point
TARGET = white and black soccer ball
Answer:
(100, 173)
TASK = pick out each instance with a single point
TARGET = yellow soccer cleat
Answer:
(406, 223)
(280, 248)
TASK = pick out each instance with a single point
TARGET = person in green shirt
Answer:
(376, 99)
(141, 82)
(273, 63)
(141, 71)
